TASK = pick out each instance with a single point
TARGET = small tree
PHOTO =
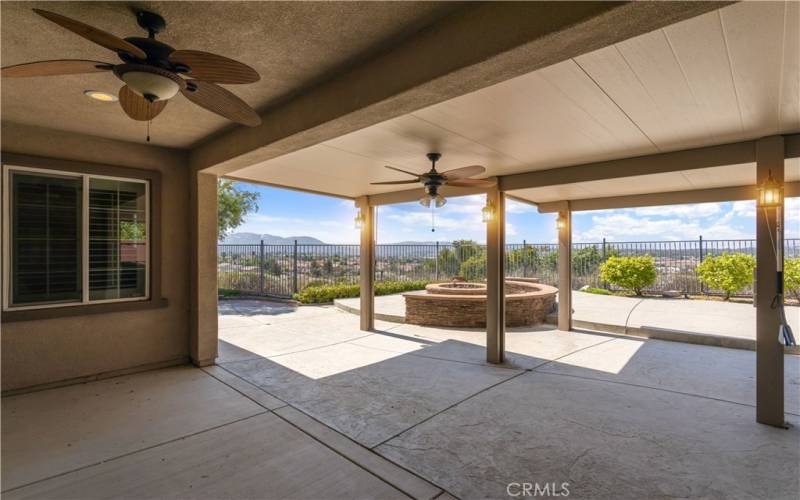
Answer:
(233, 204)
(631, 273)
(729, 272)
(791, 276)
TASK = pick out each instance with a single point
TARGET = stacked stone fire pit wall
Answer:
(464, 304)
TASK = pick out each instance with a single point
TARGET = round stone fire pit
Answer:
(463, 304)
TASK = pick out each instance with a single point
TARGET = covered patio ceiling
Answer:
(293, 45)
(729, 75)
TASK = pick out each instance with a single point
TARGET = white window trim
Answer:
(6, 260)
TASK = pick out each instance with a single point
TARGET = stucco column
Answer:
(769, 350)
(367, 264)
(565, 269)
(495, 278)
(203, 320)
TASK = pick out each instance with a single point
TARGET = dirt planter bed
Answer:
(464, 304)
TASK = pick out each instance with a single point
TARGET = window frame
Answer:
(83, 170)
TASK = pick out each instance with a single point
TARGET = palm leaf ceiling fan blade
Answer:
(463, 172)
(137, 107)
(220, 101)
(471, 183)
(401, 170)
(55, 68)
(412, 181)
(95, 35)
(214, 68)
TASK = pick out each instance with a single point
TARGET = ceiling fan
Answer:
(153, 72)
(433, 180)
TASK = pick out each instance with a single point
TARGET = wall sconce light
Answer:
(487, 212)
(359, 220)
(561, 221)
(770, 193)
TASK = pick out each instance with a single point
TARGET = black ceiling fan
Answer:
(433, 180)
(153, 72)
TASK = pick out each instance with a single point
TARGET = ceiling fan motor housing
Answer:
(154, 84)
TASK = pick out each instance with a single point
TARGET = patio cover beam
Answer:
(478, 46)
(735, 193)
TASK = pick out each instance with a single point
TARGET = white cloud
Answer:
(623, 226)
(694, 211)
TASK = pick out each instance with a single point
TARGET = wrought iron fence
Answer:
(281, 270)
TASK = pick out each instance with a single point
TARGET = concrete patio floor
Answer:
(711, 322)
(611, 415)
(302, 404)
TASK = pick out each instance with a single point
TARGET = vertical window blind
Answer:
(77, 239)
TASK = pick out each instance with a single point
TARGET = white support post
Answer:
(495, 278)
(769, 350)
(367, 263)
(565, 269)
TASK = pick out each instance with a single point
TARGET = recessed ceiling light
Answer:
(100, 96)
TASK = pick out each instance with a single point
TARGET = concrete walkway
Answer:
(709, 322)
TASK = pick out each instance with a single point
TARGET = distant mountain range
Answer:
(269, 239)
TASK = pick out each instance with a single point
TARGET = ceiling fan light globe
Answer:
(440, 201)
(425, 201)
(151, 85)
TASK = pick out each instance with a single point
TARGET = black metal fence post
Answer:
(702, 285)
(261, 268)
(294, 268)
(436, 260)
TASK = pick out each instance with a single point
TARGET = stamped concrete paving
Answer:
(183, 433)
(614, 417)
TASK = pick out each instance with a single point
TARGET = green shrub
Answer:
(791, 277)
(474, 268)
(631, 273)
(327, 293)
(597, 291)
(729, 272)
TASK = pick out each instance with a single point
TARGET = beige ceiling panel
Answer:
(791, 169)
(790, 90)
(755, 34)
(321, 169)
(671, 181)
(701, 53)
(552, 193)
(555, 116)
(404, 141)
(729, 175)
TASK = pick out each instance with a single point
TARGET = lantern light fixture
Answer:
(770, 193)
(561, 221)
(487, 212)
(359, 220)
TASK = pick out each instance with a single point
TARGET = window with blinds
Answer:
(75, 239)
(117, 239)
(46, 239)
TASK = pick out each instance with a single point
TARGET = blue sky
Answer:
(289, 213)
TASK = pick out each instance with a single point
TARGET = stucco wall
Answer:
(44, 351)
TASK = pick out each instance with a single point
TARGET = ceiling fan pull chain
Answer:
(433, 219)
(148, 127)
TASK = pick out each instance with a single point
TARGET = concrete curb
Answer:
(671, 335)
(392, 318)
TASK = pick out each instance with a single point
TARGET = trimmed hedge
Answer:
(326, 293)
(791, 276)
